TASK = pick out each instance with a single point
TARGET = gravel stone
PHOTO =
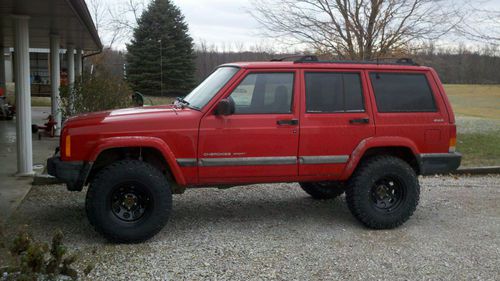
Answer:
(277, 232)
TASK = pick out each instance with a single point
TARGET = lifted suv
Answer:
(363, 128)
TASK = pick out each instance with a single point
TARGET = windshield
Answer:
(202, 94)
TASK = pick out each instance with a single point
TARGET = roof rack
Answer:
(407, 61)
(314, 59)
(299, 58)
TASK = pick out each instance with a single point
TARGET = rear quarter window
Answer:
(402, 92)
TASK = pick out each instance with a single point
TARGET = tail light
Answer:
(453, 139)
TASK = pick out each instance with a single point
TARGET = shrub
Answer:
(95, 93)
(32, 260)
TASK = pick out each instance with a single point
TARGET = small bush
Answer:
(32, 260)
(92, 93)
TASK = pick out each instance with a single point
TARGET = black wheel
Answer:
(129, 201)
(383, 193)
(323, 190)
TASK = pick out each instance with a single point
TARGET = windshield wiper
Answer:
(181, 102)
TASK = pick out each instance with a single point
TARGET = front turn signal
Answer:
(67, 145)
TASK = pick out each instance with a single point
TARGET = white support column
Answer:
(2, 67)
(78, 63)
(23, 96)
(55, 81)
(70, 59)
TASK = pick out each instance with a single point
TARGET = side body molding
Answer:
(140, 141)
(374, 142)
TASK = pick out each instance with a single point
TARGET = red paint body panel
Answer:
(183, 133)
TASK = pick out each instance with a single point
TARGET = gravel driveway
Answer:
(276, 232)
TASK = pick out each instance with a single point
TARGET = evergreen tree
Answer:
(161, 47)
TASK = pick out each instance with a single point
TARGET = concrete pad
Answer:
(13, 189)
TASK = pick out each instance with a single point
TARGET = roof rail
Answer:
(314, 59)
(406, 61)
(299, 58)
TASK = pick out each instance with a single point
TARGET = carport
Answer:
(54, 25)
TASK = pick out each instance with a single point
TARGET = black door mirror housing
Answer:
(225, 107)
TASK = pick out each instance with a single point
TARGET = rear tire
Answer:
(383, 193)
(129, 201)
(323, 190)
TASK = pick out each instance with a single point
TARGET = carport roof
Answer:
(70, 19)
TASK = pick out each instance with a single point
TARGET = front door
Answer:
(336, 118)
(259, 142)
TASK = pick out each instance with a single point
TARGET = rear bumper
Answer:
(439, 163)
(73, 174)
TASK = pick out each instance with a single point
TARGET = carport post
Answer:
(70, 57)
(78, 63)
(2, 67)
(23, 96)
(55, 81)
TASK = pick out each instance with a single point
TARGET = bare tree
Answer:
(482, 24)
(355, 29)
(98, 12)
(115, 22)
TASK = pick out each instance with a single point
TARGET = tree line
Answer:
(460, 65)
(161, 58)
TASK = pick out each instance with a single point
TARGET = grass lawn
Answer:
(475, 100)
(482, 101)
(479, 149)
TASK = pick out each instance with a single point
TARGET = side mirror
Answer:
(225, 107)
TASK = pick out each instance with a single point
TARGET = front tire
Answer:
(129, 201)
(383, 193)
(323, 190)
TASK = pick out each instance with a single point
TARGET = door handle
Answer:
(290, 122)
(360, 121)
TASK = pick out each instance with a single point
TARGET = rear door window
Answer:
(402, 92)
(328, 92)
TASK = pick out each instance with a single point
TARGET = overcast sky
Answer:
(226, 22)
(219, 21)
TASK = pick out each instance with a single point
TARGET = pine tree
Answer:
(161, 42)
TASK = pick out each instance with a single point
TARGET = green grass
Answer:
(479, 149)
(483, 101)
(40, 101)
(475, 100)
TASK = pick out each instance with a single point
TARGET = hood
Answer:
(126, 114)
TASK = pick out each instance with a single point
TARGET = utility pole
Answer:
(161, 69)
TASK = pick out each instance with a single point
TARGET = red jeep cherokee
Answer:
(364, 128)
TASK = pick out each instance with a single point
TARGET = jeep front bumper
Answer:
(439, 163)
(74, 174)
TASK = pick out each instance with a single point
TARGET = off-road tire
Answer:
(144, 179)
(362, 194)
(323, 190)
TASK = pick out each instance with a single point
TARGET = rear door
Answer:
(335, 118)
(259, 141)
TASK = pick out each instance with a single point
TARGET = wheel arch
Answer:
(395, 146)
(152, 150)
